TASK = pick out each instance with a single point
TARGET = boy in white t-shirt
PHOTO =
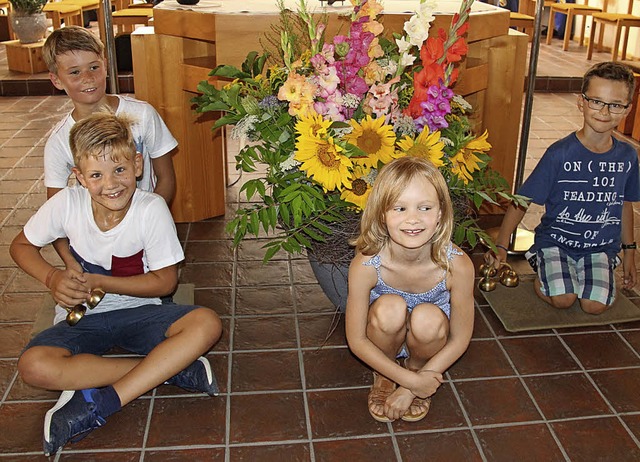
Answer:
(125, 242)
(76, 63)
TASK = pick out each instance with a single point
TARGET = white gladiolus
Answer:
(403, 45)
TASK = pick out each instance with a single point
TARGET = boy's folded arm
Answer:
(67, 290)
(29, 259)
(157, 283)
(166, 177)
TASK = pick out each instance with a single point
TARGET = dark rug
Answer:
(44, 317)
(520, 309)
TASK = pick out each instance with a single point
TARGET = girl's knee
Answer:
(593, 307)
(388, 313)
(428, 323)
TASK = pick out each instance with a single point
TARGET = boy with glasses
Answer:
(587, 182)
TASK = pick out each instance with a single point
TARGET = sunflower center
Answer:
(369, 141)
(418, 150)
(327, 158)
(359, 187)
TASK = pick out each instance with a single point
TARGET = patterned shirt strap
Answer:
(452, 251)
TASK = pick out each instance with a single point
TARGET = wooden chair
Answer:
(620, 21)
(571, 10)
(58, 12)
(5, 6)
(127, 19)
(522, 21)
(91, 5)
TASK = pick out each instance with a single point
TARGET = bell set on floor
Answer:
(505, 274)
(75, 314)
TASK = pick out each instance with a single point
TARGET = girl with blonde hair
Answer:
(410, 305)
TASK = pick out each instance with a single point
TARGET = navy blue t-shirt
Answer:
(583, 193)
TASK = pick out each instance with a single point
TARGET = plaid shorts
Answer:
(590, 277)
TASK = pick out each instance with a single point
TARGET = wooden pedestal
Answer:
(185, 45)
(162, 72)
(25, 57)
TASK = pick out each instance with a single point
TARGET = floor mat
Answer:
(520, 309)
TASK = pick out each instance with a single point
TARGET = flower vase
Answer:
(332, 278)
(29, 28)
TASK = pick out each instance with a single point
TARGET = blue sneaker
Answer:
(197, 377)
(73, 417)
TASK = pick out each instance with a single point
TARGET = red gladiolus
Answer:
(432, 49)
(457, 50)
(463, 29)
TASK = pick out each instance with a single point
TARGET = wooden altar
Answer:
(170, 60)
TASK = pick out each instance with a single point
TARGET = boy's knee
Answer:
(593, 307)
(564, 301)
(207, 322)
(34, 368)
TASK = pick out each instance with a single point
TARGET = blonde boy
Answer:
(76, 63)
(124, 240)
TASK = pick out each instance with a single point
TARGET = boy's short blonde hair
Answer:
(102, 134)
(389, 185)
(69, 39)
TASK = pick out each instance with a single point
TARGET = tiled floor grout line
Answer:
(6, 392)
(533, 400)
(232, 328)
(465, 415)
(626, 342)
(303, 377)
(602, 395)
(147, 426)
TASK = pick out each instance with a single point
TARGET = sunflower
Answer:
(374, 138)
(360, 187)
(311, 124)
(322, 159)
(426, 145)
(465, 162)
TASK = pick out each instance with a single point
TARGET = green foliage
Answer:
(27, 7)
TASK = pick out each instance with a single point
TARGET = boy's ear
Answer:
(55, 81)
(580, 103)
(78, 173)
(139, 163)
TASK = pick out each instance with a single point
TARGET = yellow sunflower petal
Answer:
(373, 137)
(426, 145)
(322, 160)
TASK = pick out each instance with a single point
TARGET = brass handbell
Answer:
(75, 314)
(486, 283)
(507, 276)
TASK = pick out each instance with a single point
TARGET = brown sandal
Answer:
(378, 396)
(419, 403)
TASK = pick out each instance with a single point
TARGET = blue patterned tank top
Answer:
(438, 295)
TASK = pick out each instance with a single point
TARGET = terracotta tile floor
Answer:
(291, 390)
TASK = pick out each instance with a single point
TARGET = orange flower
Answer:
(432, 49)
(457, 50)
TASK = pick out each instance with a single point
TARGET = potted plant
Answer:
(331, 112)
(28, 21)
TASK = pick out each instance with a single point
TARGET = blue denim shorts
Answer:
(138, 330)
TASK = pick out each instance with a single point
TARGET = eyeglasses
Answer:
(597, 105)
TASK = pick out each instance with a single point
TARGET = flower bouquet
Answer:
(321, 115)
